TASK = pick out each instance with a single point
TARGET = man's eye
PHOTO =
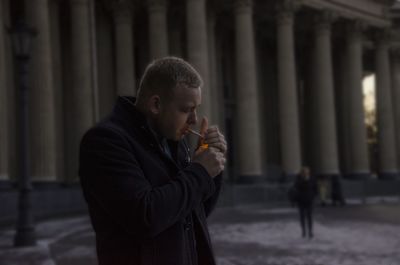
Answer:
(188, 110)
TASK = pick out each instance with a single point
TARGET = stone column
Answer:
(41, 95)
(216, 92)
(358, 148)
(105, 58)
(326, 142)
(395, 63)
(248, 122)
(343, 103)
(124, 44)
(158, 28)
(58, 85)
(4, 140)
(176, 34)
(12, 106)
(197, 50)
(386, 131)
(81, 103)
(288, 98)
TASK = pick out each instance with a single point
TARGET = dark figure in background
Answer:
(306, 190)
(148, 198)
(323, 187)
(336, 191)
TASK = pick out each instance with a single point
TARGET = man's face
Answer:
(179, 113)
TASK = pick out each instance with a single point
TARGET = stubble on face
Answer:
(181, 112)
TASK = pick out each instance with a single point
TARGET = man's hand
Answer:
(214, 138)
(211, 151)
(203, 129)
(211, 159)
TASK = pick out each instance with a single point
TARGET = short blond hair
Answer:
(163, 75)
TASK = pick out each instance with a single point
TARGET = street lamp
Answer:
(22, 36)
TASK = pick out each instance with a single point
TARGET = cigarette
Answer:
(202, 145)
(194, 132)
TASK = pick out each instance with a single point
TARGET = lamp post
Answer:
(22, 36)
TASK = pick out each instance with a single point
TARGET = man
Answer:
(306, 190)
(148, 200)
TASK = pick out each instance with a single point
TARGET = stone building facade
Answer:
(282, 79)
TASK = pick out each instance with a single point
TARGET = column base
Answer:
(389, 175)
(325, 176)
(330, 183)
(25, 236)
(7, 184)
(45, 185)
(250, 179)
(357, 176)
(287, 178)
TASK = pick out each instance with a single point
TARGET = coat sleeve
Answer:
(113, 180)
(210, 203)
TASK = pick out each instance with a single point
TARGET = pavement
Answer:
(356, 234)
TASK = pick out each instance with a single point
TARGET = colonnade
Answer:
(201, 52)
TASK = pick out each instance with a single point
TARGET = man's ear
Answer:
(154, 104)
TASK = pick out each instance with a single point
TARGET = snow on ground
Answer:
(241, 236)
(278, 242)
(49, 233)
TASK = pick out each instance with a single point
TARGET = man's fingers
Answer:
(212, 134)
(200, 150)
(214, 139)
(204, 126)
(217, 140)
(221, 146)
(212, 129)
(203, 130)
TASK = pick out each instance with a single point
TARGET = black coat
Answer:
(306, 190)
(145, 207)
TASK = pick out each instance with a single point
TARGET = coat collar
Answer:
(126, 110)
(127, 114)
(135, 122)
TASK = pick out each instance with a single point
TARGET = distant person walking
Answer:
(336, 191)
(306, 190)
